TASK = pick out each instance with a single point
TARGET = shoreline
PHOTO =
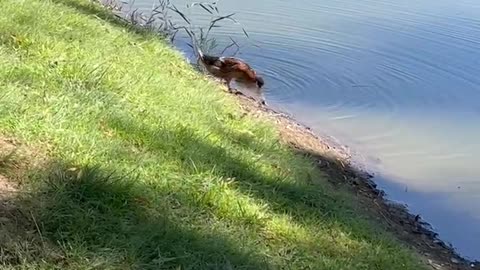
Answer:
(335, 159)
(158, 166)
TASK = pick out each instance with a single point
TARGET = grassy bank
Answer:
(141, 163)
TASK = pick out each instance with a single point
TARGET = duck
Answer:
(230, 68)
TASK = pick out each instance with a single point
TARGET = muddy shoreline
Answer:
(336, 160)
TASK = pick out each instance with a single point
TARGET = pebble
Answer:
(455, 261)
(434, 265)
(4, 220)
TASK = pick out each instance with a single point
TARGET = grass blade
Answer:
(245, 32)
(224, 18)
(205, 8)
(175, 9)
(229, 46)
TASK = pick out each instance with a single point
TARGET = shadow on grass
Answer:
(95, 217)
(92, 9)
(197, 155)
(305, 200)
(88, 215)
(285, 196)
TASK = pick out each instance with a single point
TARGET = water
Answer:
(397, 81)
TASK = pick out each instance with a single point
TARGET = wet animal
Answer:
(230, 68)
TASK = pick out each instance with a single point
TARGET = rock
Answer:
(4, 220)
(356, 181)
(455, 261)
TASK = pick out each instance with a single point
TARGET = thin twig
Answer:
(38, 229)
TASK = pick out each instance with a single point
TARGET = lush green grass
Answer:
(151, 166)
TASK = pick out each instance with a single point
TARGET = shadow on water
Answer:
(434, 207)
(420, 230)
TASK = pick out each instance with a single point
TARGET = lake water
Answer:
(397, 81)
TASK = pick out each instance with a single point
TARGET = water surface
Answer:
(397, 81)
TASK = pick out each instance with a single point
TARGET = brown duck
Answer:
(230, 68)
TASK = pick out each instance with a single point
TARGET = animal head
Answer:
(260, 81)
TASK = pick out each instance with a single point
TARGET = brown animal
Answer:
(230, 68)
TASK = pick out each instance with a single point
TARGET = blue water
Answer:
(397, 81)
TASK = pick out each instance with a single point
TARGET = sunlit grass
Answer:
(152, 166)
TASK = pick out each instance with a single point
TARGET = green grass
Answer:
(151, 166)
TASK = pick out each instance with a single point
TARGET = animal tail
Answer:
(207, 59)
(199, 51)
(194, 44)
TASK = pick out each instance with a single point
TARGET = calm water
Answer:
(398, 81)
